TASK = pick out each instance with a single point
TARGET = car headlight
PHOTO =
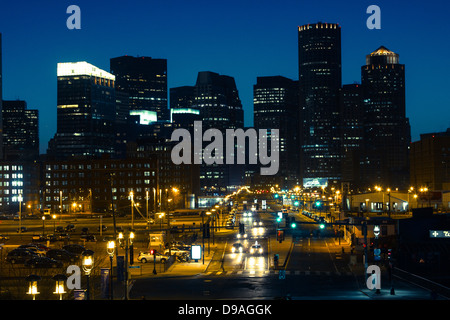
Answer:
(240, 249)
(239, 235)
(260, 250)
(233, 249)
(252, 250)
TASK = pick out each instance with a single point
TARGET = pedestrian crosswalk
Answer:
(260, 273)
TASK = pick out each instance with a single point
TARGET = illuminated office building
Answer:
(275, 106)
(319, 54)
(386, 128)
(1, 98)
(20, 131)
(86, 111)
(144, 79)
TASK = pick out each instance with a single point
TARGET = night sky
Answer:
(243, 39)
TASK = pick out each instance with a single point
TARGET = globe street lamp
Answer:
(126, 241)
(110, 247)
(32, 285)
(59, 289)
(88, 264)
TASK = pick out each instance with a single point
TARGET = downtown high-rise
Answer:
(387, 133)
(144, 80)
(86, 111)
(275, 106)
(319, 57)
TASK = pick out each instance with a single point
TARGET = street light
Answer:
(132, 211)
(32, 285)
(20, 198)
(110, 247)
(54, 223)
(59, 289)
(43, 225)
(127, 242)
(88, 264)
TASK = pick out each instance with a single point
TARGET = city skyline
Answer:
(273, 39)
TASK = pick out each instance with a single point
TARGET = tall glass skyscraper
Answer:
(145, 81)
(275, 106)
(1, 99)
(86, 111)
(387, 132)
(319, 56)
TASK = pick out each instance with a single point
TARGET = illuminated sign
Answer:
(196, 252)
(439, 234)
(315, 182)
(145, 116)
(82, 68)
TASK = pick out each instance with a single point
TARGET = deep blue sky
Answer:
(244, 39)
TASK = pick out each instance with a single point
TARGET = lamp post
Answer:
(32, 285)
(88, 264)
(20, 198)
(54, 222)
(59, 289)
(132, 211)
(203, 234)
(125, 241)
(43, 225)
(110, 247)
(146, 208)
(389, 204)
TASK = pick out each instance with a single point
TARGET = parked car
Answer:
(31, 246)
(85, 230)
(24, 229)
(177, 250)
(3, 237)
(74, 248)
(43, 262)
(148, 257)
(88, 237)
(62, 255)
(104, 228)
(70, 227)
(38, 237)
(20, 255)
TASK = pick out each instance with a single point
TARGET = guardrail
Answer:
(427, 284)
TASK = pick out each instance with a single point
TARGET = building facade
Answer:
(86, 111)
(319, 56)
(275, 106)
(144, 79)
(20, 131)
(387, 132)
(430, 161)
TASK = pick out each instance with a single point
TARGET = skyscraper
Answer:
(145, 81)
(319, 83)
(20, 131)
(275, 106)
(217, 99)
(86, 111)
(352, 132)
(387, 132)
(1, 99)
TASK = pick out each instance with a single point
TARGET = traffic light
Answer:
(293, 223)
(280, 235)
(152, 251)
(322, 226)
(278, 219)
